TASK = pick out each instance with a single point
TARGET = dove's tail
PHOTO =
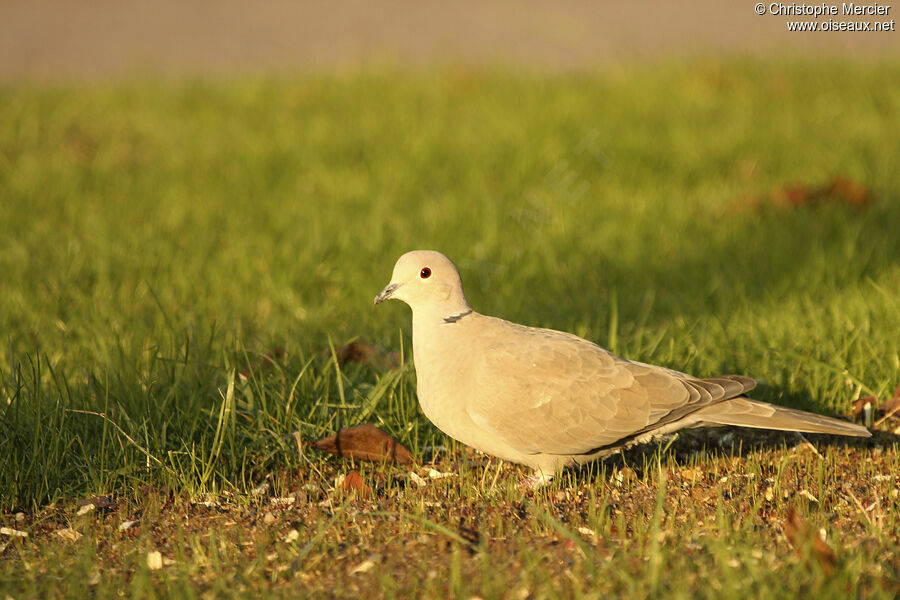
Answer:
(744, 412)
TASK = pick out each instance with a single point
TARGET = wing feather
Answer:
(549, 392)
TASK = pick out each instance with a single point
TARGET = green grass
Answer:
(156, 239)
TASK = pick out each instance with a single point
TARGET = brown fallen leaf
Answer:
(880, 411)
(267, 360)
(367, 354)
(846, 191)
(802, 536)
(890, 408)
(860, 405)
(794, 195)
(840, 190)
(892, 403)
(365, 442)
(354, 482)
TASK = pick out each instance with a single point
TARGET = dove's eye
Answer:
(425, 273)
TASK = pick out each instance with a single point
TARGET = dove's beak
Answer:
(386, 293)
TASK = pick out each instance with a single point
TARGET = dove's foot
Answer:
(537, 480)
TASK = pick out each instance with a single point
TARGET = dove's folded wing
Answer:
(550, 392)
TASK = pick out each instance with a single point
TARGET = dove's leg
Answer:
(537, 480)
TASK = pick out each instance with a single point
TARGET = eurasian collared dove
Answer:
(548, 399)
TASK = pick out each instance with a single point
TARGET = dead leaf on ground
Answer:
(368, 354)
(880, 411)
(801, 535)
(891, 407)
(840, 190)
(353, 481)
(859, 405)
(365, 442)
(267, 360)
(847, 191)
(894, 402)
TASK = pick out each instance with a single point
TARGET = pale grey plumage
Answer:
(549, 399)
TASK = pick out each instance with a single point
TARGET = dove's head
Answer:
(426, 280)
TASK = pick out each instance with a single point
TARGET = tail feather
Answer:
(744, 412)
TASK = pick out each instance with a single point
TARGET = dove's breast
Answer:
(444, 373)
(446, 358)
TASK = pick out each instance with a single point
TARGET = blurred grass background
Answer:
(156, 237)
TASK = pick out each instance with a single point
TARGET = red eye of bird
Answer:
(425, 273)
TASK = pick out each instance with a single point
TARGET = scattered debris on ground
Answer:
(771, 503)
